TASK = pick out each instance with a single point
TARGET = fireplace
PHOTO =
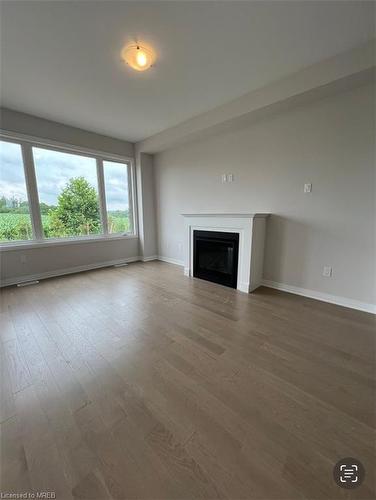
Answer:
(215, 256)
(249, 231)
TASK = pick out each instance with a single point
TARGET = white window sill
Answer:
(24, 245)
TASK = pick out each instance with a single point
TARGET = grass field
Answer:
(15, 226)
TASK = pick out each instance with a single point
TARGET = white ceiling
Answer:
(61, 60)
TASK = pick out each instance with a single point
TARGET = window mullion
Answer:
(32, 190)
(102, 196)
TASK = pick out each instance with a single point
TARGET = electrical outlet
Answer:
(308, 188)
(327, 271)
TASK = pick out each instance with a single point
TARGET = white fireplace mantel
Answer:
(251, 230)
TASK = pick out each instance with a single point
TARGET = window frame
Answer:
(39, 240)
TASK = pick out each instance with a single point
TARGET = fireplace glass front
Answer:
(215, 256)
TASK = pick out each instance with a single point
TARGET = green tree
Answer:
(44, 208)
(77, 211)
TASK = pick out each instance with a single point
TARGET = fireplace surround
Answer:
(250, 230)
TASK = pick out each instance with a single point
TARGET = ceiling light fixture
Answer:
(138, 57)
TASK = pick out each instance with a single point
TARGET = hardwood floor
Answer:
(140, 383)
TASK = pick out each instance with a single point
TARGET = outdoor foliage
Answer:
(118, 221)
(15, 226)
(76, 214)
(77, 211)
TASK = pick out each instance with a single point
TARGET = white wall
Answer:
(17, 265)
(329, 143)
(39, 127)
(45, 260)
(146, 205)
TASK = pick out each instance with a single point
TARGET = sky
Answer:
(53, 170)
(12, 178)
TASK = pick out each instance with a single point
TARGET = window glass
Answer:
(117, 197)
(15, 220)
(68, 193)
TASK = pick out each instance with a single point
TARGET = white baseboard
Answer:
(68, 270)
(324, 297)
(147, 259)
(170, 261)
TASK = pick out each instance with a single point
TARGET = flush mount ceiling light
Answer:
(138, 56)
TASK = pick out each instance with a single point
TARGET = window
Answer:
(68, 193)
(15, 220)
(48, 193)
(117, 197)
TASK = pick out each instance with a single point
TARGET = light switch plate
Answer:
(308, 188)
(224, 178)
(230, 177)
